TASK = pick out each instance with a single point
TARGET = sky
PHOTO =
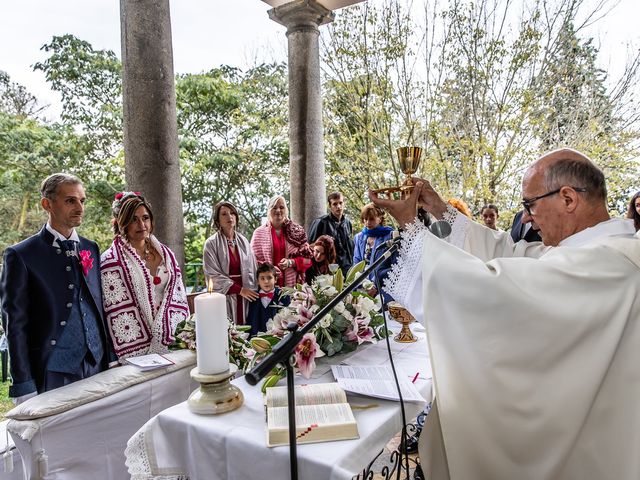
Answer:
(206, 34)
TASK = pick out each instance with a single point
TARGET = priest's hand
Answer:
(430, 200)
(404, 211)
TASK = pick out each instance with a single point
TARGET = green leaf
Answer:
(355, 270)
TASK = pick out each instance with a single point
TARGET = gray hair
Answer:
(272, 203)
(50, 185)
(576, 171)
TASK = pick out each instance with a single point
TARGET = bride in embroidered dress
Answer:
(143, 294)
(230, 263)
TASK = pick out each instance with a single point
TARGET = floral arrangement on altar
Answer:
(351, 323)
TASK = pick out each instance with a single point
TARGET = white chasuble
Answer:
(535, 360)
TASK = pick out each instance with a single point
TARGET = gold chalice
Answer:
(402, 316)
(409, 160)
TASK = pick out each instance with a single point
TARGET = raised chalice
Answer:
(403, 317)
(409, 160)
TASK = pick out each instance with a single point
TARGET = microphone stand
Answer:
(282, 352)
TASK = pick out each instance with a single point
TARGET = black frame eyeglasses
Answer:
(527, 204)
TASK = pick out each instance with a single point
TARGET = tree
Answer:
(486, 86)
(232, 128)
(16, 100)
(369, 101)
(90, 84)
(233, 140)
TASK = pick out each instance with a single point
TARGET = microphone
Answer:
(440, 229)
(394, 240)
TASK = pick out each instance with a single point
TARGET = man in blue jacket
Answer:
(52, 298)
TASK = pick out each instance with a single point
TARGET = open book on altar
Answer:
(322, 414)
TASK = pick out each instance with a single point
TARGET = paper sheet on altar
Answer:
(376, 381)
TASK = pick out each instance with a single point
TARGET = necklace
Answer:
(232, 243)
(146, 256)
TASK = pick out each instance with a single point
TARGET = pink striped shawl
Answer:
(263, 250)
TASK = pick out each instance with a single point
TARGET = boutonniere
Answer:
(86, 261)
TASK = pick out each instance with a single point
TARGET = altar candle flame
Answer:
(210, 285)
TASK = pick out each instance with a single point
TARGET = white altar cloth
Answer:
(178, 444)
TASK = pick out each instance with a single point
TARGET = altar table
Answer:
(179, 445)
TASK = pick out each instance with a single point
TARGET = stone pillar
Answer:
(150, 126)
(306, 151)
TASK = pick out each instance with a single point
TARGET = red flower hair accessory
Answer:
(119, 198)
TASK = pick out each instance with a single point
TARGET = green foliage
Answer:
(30, 151)
(5, 402)
(16, 100)
(90, 84)
(233, 141)
(232, 127)
(485, 86)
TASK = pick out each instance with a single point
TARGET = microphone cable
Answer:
(403, 434)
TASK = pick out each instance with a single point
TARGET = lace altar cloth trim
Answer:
(141, 467)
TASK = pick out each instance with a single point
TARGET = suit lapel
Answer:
(91, 280)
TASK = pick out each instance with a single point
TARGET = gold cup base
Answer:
(216, 394)
(405, 335)
(404, 318)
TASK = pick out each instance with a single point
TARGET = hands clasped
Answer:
(404, 211)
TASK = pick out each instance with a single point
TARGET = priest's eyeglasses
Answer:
(528, 204)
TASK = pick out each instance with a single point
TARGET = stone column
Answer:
(306, 151)
(150, 126)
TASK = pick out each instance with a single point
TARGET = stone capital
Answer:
(301, 15)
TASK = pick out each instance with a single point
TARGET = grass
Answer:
(5, 403)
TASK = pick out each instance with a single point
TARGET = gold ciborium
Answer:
(409, 160)
(402, 316)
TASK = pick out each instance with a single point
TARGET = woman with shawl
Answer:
(369, 243)
(143, 294)
(283, 243)
(230, 263)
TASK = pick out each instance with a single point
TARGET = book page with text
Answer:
(312, 394)
(376, 381)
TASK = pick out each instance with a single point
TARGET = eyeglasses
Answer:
(527, 204)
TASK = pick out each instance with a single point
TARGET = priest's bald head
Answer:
(563, 193)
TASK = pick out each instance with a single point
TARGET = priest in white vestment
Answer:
(535, 348)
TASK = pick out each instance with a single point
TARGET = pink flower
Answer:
(86, 261)
(359, 331)
(306, 352)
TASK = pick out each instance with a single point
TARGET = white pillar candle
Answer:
(212, 336)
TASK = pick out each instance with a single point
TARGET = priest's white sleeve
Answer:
(404, 282)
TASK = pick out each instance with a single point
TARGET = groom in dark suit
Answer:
(52, 298)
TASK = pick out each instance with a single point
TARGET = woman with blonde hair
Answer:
(283, 243)
(461, 206)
